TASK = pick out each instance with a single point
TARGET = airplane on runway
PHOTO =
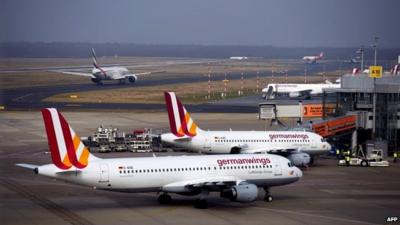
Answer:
(298, 146)
(293, 90)
(101, 74)
(236, 177)
(313, 59)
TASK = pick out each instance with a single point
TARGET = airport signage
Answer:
(315, 110)
(375, 71)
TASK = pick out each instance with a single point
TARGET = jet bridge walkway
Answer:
(335, 126)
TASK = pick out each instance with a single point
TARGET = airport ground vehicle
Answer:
(111, 139)
(235, 177)
(374, 158)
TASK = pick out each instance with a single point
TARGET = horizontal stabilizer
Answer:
(69, 172)
(28, 166)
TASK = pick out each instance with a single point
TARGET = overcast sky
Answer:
(308, 23)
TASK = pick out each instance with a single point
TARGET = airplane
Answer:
(239, 58)
(313, 59)
(293, 90)
(300, 147)
(101, 74)
(236, 177)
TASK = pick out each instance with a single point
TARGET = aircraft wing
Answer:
(213, 183)
(75, 73)
(142, 74)
(278, 151)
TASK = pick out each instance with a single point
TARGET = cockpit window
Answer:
(290, 164)
(323, 140)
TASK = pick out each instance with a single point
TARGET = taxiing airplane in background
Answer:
(293, 90)
(236, 177)
(114, 73)
(298, 146)
(313, 59)
(239, 58)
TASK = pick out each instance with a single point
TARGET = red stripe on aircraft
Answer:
(69, 143)
(183, 118)
(52, 140)
(170, 110)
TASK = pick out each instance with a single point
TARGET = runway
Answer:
(327, 194)
(30, 98)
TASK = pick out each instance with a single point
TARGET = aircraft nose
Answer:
(298, 172)
(328, 146)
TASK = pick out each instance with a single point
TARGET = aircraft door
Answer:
(104, 173)
(207, 144)
(277, 167)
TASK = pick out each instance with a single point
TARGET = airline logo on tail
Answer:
(355, 71)
(65, 145)
(95, 64)
(180, 122)
(395, 69)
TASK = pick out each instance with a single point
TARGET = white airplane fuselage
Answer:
(312, 89)
(152, 174)
(224, 142)
(111, 73)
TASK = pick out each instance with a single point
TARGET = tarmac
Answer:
(327, 194)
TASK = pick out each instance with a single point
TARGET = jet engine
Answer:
(132, 79)
(241, 193)
(299, 158)
(95, 80)
(294, 94)
(300, 94)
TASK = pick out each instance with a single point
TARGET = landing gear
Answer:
(235, 150)
(201, 204)
(267, 196)
(311, 161)
(164, 198)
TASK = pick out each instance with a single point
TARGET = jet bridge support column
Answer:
(354, 141)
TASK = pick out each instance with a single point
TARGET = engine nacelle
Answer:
(299, 158)
(295, 94)
(132, 79)
(241, 193)
(95, 80)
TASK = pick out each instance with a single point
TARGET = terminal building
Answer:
(360, 98)
(346, 115)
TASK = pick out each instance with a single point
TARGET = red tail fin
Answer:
(180, 122)
(66, 147)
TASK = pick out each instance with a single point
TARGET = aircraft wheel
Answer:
(268, 198)
(364, 163)
(201, 204)
(164, 199)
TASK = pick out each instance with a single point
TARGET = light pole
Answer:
(375, 49)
